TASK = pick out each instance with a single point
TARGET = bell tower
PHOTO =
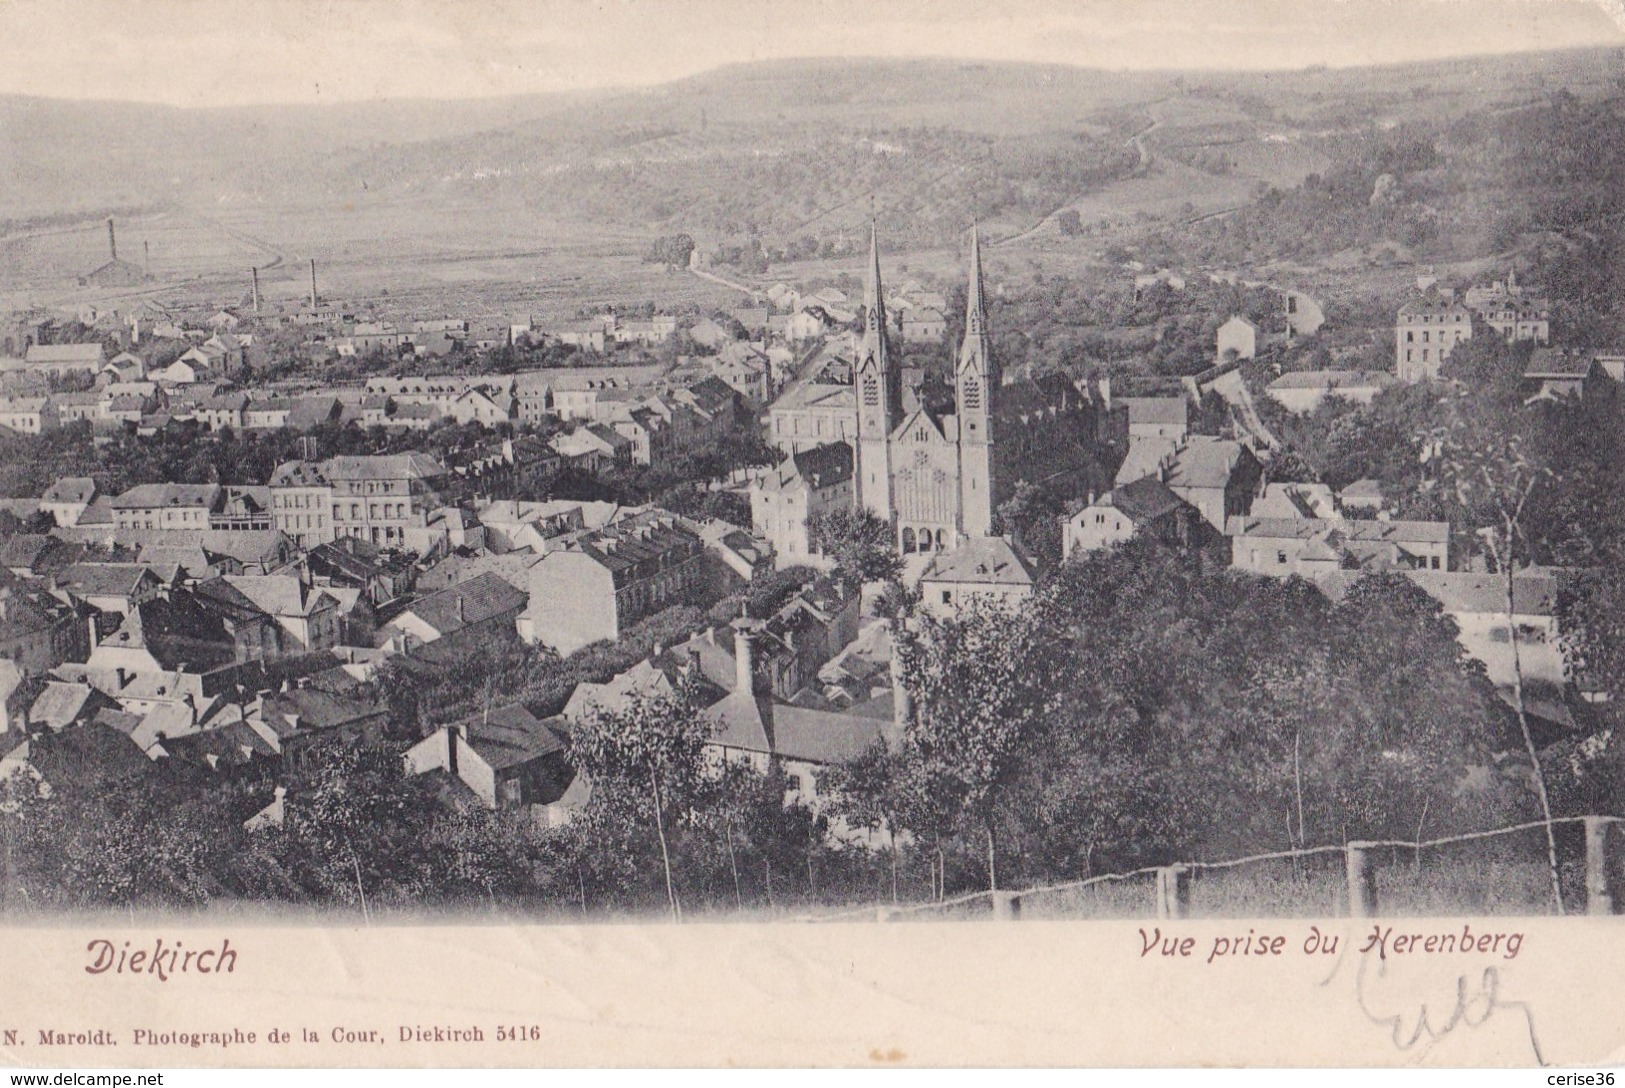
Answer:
(975, 385)
(878, 387)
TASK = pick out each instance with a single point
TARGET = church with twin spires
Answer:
(928, 473)
(933, 464)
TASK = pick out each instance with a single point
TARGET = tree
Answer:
(1069, 222)
(653, 747)
(977, 687)
(1488, 471)
(858, 543)
(354, 828)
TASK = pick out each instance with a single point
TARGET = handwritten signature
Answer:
(1477, 999)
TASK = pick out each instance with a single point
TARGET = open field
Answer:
(545, 204)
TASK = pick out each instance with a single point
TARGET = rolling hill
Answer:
(781, 151)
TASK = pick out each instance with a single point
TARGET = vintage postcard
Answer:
(706, 532)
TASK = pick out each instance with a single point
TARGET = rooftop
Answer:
(980, 561)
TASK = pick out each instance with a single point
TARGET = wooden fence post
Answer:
(1599, 885)
(1006, 906)
(1362, 881)
(1173, 892)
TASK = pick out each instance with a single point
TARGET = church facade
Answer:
(928, 473)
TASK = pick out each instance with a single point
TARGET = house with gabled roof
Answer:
(273, 615)
(506, 759)
(1312, 546)
(470, 613)
(981, 571)
(1144, 507)
(786, 498)
(108, 587)
(39, 630)
(601, 582)
(1552, 373)
(29, 415)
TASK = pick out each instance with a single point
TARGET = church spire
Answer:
(975, 311)
(874, 305)
(878, 386)
(975, 388)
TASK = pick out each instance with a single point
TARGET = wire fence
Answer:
(1172, 881)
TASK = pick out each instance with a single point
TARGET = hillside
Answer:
(789, 153)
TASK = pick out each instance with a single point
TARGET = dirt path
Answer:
(714, 278)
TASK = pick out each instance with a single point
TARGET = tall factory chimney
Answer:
(256, 274)
(146, 257)
(112, 240)
(313, 283)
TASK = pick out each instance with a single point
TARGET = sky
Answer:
(238, 52)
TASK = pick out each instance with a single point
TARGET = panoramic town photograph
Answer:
(813, 464)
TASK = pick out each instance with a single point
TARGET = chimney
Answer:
(451, 750)
(112, 240)
(461, 615)
(694, 660)
(146, 257)
(255, 272)
(745, 631)
(313, 283)
(902, 701)
(123, 677)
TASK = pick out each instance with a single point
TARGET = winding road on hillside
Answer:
(1137, 141)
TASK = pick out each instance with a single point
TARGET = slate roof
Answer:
(71, 489)
(60, 704)
(1353, 529)
(1144, 500)
(1555, 363)
(1146, 457)
(980, 560)
(484, 597)
(821, 736)
(1334, 379)
(400, 466)
(315, 709)
(65, 353)
(1204, 462)
(820, 467)
(636, 539)
(30, 550)
(1155, 409)
(512, 735)
(86, 755)
(103, 579)
(1464, 591)
(148, 496)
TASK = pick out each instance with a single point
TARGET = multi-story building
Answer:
(68, 498)
(603, 582)
(812, 414)
(1144, 507)
(384, 500)
(28, 415)
(39, 630)
(1310, 547)
(1504, 307)
(387, 499)
(1425, 333)
(302, 503)
(803, 485)
(168, 506)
